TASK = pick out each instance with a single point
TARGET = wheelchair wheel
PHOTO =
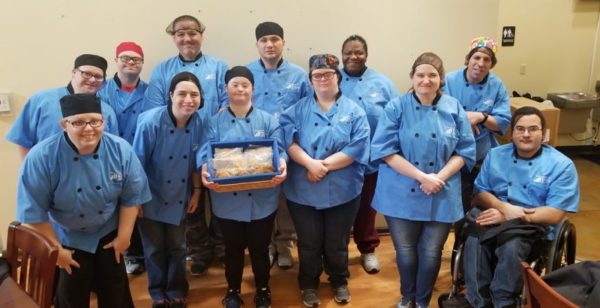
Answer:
(562, 250)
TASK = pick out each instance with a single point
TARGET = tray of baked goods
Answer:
(243, 165)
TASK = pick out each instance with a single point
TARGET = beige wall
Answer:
(554, 39)
(40, 39)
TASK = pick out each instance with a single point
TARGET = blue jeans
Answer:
(323, 237)
(164, 251)
(493, 274)
(418, 247)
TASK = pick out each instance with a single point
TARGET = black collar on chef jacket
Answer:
(245, 117)
(72, 145)
(435, 100)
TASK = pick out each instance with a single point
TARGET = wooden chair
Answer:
(536, 293)
(32, 258)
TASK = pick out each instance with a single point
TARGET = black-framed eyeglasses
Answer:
(82, 124)
(323, 76)
(127, 59)
(88, 75)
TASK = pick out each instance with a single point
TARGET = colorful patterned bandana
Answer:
(484, 41)
(323, 61)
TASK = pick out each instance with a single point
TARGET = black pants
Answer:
(99, 270)
(256, 235)
(467, 182)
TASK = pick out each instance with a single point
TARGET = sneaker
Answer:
(262, 299)
(232, 299)
(406, 303)
(285, 261)
(134, 267)
(178, 302)
(161, 303)
(370, 263)
(198, 269)
(342, 295)
(310, 298)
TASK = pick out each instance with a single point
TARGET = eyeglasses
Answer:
(531, 129)
(88, 75)
(82, 124)
(323, 76)
(136, 60)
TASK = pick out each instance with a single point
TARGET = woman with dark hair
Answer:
(327, 136)
(424, 138)
(372, 91)
(204, 240)
(166, 141)
(246, 217)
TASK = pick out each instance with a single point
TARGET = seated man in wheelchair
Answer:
(521, 185)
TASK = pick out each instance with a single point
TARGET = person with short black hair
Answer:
(372, 91)
(278, 84)
(41, 113)
(246, 217)
(524, 182)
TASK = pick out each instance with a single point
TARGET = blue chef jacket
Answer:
(426, 136)
(371, 91)
(277, 89)
(344, 128)
(80, 194)
(252, 204)
(127, 105)
(210, 71)
(168, 154)
(489, 96)
(41, 116)
(547, 179)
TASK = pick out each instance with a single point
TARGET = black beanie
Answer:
(268, 28)
(93, 60)
(239, 71)
(79, 103)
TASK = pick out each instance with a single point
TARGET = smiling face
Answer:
(81, 131)
(270, 48)
(129, 63)
(240, 90)
(87, 79)
(527, 135)
(187, 38)
(426, 80)
(354, 57)
(186, 100)
(478, 66)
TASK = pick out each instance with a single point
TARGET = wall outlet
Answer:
(4, 102)
(523, 69)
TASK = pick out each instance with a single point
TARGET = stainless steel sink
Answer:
(574, 100)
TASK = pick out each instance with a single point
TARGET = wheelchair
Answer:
(547, 256)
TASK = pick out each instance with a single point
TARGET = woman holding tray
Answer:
(328, 141)
(166, 141)
(246, 217)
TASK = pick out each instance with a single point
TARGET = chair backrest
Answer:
(538, 293)
(32, 258)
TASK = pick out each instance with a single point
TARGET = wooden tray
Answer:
(244, 186)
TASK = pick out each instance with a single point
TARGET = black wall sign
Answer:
(508, 36)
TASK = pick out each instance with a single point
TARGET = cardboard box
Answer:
(551, 114)
(244, 182)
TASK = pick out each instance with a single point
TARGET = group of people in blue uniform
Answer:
(99, 154)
